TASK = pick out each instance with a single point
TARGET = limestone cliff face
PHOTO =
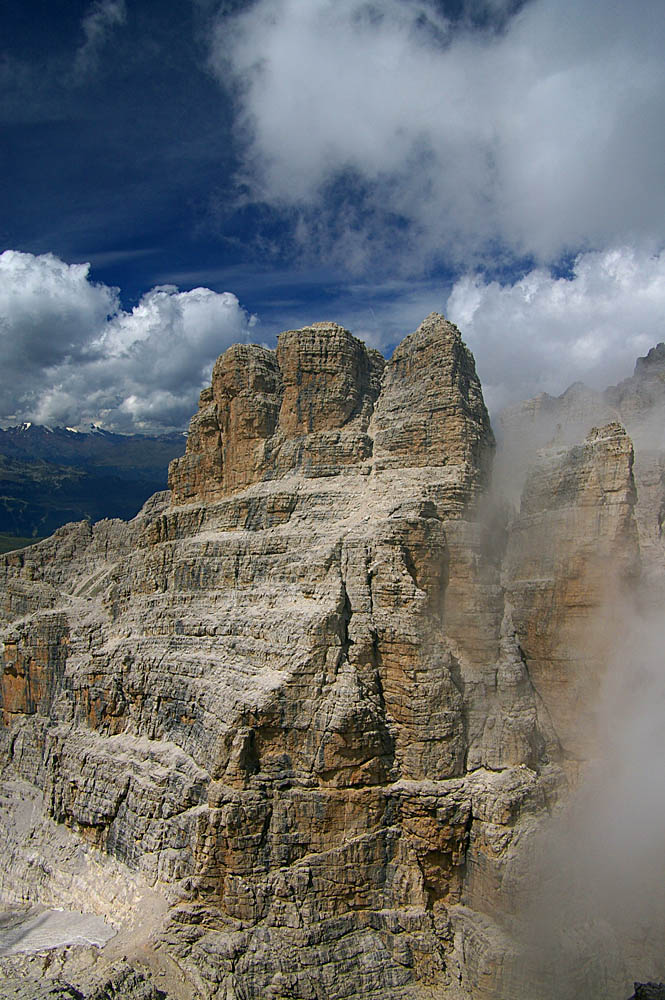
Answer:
(296, 699)
(304, 407)
(572, 556)
(317, 406)
(638, 404)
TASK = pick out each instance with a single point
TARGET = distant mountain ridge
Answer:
(95, 448)
(52, 475)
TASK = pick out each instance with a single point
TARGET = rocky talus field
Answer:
(293, 731)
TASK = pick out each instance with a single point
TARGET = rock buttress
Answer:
(291, 701)
(303, 408)
(572, 557)
(431, 410)
(236, 416)
(324, 403)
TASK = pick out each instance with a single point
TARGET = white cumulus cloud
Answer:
(49, 311)
(71, 355)
(539, 138)
(542, 333)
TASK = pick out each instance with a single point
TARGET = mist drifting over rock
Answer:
(303, 726)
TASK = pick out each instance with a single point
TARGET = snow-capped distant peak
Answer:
(72, 430)
(28, 425)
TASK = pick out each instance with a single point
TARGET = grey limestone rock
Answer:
(282, 727)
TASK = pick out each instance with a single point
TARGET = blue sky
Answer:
(231, 169)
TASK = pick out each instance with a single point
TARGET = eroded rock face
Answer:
(638, 404)
(431, 410)
(303, 407)
(573, 555)
(293, 700)
(317, 405)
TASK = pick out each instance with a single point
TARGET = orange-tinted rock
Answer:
(330, 379)
(237, 414)
(431, 410)
(33, 667)
(305, 408)
(322, 404)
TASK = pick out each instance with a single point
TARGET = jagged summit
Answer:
(289, 712)
(323, 403)
(654, 358)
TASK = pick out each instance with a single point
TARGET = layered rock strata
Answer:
(638, 404)
(292, 701)
(572, 556)
(308, 407)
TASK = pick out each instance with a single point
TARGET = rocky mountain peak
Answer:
(654, 358)
(329, 378)
(324, 403)
(431, 409)
(325, 324)
(314, 708)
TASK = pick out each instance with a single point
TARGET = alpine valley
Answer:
(50, 476)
